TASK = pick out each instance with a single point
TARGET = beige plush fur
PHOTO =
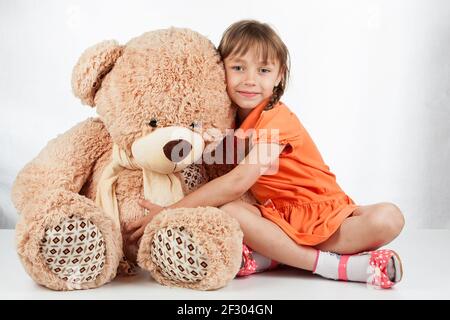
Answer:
(174, 76)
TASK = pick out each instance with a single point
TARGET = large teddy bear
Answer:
(161, 101)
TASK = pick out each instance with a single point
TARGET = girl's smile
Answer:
(248, 94)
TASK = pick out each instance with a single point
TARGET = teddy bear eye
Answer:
(153, 123)
(194, 125)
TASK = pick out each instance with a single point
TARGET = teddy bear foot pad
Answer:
(178, 256)
(74, 250)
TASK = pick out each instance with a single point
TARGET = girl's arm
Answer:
(235, 183)
(221, 190)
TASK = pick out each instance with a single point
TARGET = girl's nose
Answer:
(249, 80)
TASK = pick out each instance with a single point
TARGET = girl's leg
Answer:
(355, 235)
(268, 239)
(369, 228)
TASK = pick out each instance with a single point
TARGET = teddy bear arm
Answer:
(64, 164)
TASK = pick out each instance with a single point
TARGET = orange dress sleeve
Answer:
(279, 126)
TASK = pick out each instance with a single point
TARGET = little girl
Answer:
(304, 218)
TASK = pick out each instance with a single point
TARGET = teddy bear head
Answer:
(162, 96)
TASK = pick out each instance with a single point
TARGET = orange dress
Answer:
(302, 197)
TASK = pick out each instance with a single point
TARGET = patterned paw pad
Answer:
(74, 250)
(177, 255)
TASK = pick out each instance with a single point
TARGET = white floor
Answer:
(425, 255)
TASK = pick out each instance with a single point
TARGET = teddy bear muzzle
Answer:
(169, 149)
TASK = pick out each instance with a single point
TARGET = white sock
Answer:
(357, 268)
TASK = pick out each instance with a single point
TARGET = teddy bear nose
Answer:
(177, 150)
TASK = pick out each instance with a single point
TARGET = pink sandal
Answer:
(377, 270)
(249, 264)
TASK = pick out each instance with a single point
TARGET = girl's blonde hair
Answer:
(244, 35)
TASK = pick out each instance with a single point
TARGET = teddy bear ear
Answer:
(92, 66)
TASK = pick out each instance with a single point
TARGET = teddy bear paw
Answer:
(74, 250)
(178, 256)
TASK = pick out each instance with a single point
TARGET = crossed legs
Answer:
(369, 228)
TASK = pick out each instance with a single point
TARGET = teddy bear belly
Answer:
(129, 189)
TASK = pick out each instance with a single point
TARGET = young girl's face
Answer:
(250, 80)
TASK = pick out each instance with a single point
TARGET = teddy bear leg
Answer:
(71, 246)
(197, 248)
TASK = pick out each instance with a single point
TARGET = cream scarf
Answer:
(160, 189)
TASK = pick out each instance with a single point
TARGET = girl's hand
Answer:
(135, 229)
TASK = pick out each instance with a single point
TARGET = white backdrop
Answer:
(370, 81)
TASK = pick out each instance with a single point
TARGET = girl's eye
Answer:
(237, 68)
(153, 123)
(264, 70)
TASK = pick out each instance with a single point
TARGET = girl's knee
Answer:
(233, 208)
(238, 207)
(228, 207)
(387, 220)
(395, 216)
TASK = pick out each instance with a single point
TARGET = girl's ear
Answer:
(92, 66)
(281, 74)
(278, 81)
